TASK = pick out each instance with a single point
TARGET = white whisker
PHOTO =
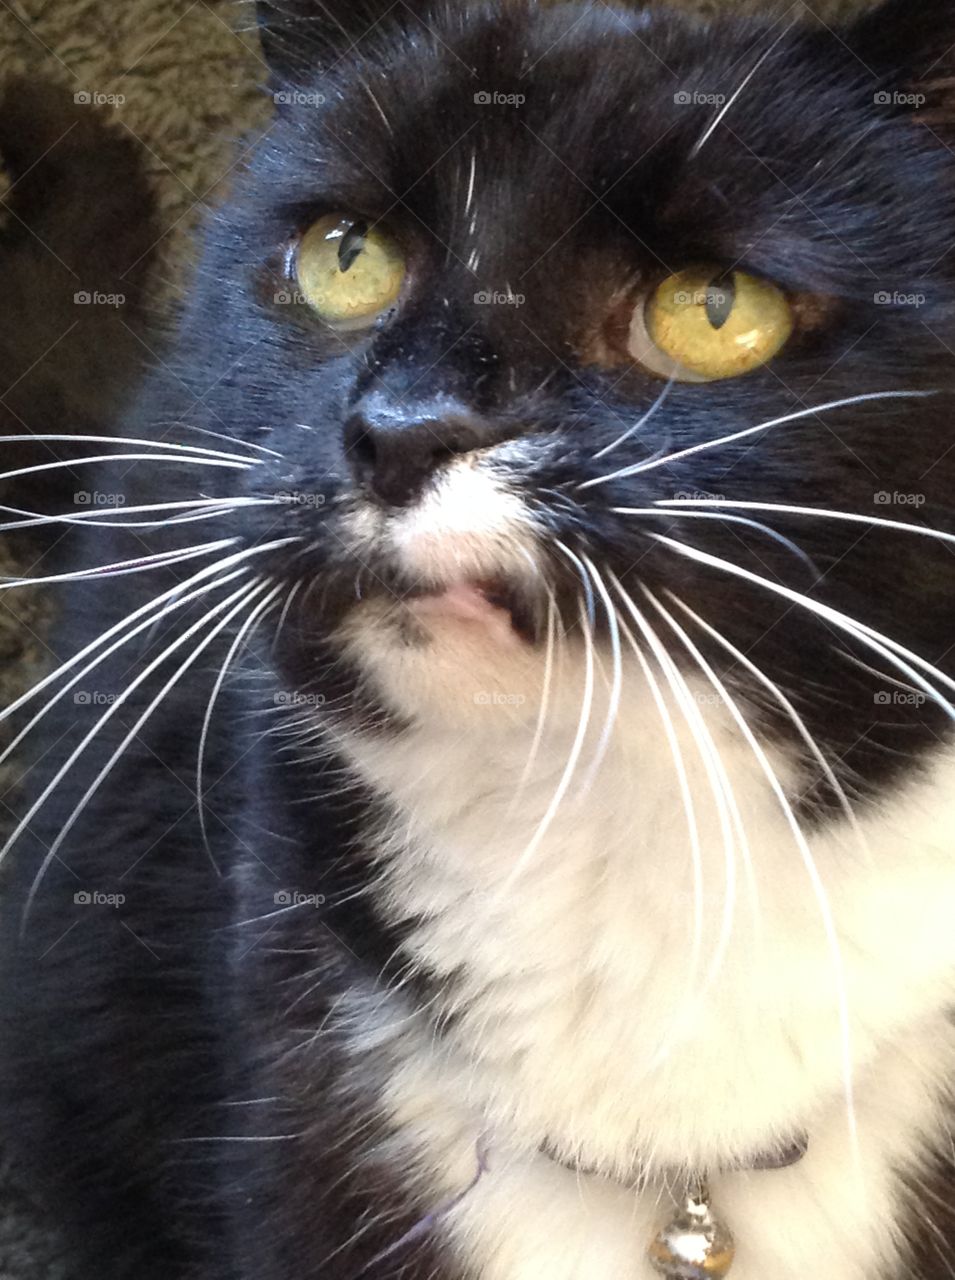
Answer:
(852, 517)
(657, 404)
(802, 845)
(133, 440)
(897, 654)
(157, 560)
(731, 101)
(150, 607)
(248, 625)
(729, 519)
(243, 595)
(787, 706)
(690, 450)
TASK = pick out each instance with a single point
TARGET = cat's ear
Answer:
(909, 45)
(302, 37)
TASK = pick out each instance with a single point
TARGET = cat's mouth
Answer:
(501, 608)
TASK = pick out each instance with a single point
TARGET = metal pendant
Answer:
(694, 1245)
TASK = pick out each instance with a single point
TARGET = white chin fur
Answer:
(635, 982)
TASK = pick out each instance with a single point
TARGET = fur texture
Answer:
(458, 865)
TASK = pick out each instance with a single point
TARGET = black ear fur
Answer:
(909, 45)
(300, 37)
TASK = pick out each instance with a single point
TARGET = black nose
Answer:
(394, 449)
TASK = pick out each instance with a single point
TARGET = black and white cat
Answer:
(501, 768)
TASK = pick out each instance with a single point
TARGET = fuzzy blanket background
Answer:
(182, 76)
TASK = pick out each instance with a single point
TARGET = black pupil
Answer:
(351, 245)
(720, 300)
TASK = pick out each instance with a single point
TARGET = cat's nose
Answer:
(395, 449)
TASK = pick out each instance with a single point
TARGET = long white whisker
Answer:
(641, 422)
(570, 768)
(731, 101)
(156, 560)
(151, 619)
(730, 519)
(787, 706)
(881, 522)
(204, 507)
(802, 845)
(244, 594)
(123, 457)
(220, 435)
(875, 640)
(686, 794)
(616, 685)
(134, 440)
(153, 611)
(727, 808)
(546, 688)
(254, 617)
(690, 450)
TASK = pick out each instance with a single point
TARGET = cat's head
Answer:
(555, 321)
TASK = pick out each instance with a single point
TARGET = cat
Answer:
(497, 793)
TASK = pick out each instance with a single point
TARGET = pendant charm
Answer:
(694, 1245)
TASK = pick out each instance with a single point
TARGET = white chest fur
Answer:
(645, 999)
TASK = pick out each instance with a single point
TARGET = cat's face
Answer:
(595, 261)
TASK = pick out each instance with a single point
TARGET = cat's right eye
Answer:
(705, 323)
(347, 271)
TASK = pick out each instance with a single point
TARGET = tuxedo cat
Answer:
(498, 792)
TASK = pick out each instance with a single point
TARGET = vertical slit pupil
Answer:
(720, 299)
(351, 245)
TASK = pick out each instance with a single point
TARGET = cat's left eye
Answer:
(348, 271)
(705, 323)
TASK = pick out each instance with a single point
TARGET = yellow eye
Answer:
(347, 271)
(703, 323)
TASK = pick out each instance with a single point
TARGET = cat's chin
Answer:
(464, 653)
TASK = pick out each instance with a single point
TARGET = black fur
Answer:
(143, 1030)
